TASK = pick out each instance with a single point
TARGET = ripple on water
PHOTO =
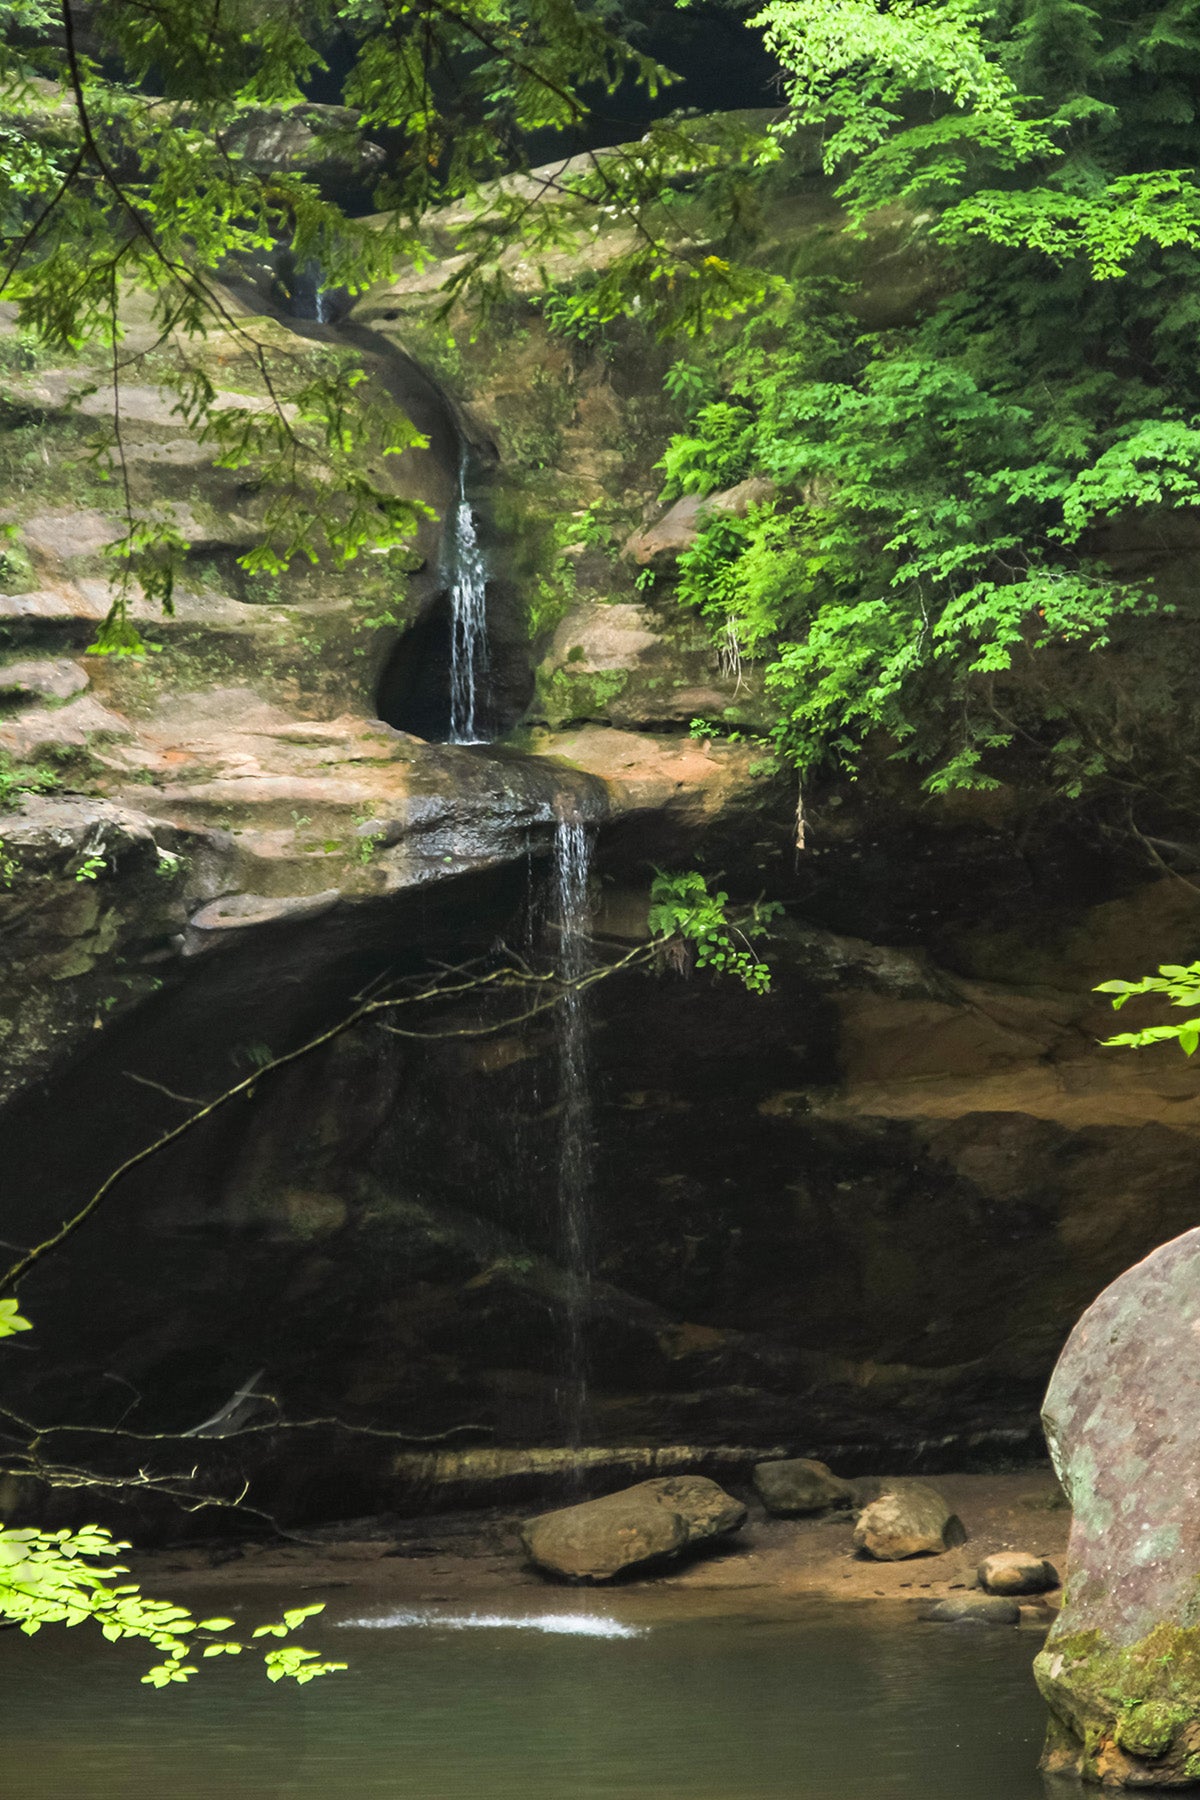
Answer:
(591, 1625)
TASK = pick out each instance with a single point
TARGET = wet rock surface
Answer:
(1120, 1671)
(640, 1526)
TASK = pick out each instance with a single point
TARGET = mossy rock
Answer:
(1121, 1669)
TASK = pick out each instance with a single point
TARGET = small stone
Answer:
(1016, 1572)
(910, 1519)
(973, 1609)
(798, 1485)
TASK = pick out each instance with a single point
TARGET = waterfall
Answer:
(468, 620)
(572, 917)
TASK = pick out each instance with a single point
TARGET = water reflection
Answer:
(826, 1707)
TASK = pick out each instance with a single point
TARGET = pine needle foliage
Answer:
(125, 164)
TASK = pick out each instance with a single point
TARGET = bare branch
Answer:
(505, 976)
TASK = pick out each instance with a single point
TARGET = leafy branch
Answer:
(1176, 983)
(67, 1578)
(687, 919)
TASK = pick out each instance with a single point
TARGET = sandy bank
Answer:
(475, 1559)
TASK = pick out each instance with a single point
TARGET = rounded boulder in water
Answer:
(642, 1525)
(973, 1609)
(797, 1485)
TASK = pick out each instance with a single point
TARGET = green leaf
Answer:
(11, 1320)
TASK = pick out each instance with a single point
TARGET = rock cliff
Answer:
(860, 1214)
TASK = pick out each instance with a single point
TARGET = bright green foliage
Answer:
(1174, 982)
(10, 1319)
(67, 1578)
(124, 165)
(684, 914)
(719, 452)
(945, 487)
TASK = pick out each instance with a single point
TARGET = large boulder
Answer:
(599, 1539)
(798, 1485)
(909, 1519)
(1120, 1670)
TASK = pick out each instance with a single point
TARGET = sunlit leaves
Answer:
(1177, 983)
(68, 1578)
(944, 487)
(693, 922)
(11, 1320)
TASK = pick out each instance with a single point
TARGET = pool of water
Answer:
(605, 1704)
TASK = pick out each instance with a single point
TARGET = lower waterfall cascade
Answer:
(575, 1172)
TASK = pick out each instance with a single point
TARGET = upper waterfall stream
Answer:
(468, 620)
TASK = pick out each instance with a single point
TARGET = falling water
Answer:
(306, 296)
(572, 868)
(468, 621)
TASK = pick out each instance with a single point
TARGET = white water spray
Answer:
(468, 621)
(592, 1625)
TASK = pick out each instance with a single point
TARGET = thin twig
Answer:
(505, 976)
(145, 1081)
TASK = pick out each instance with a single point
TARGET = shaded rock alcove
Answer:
(853, 1219)
(414, 688)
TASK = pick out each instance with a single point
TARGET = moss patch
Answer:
(1122, 1708)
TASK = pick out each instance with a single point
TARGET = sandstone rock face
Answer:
(624, 663)
(910, 1519)
(85, 886)
(679, 526)
(799, 1485)
(1016, 1572)
(543, 1474)
(600, 1539)
(1121, 1668)
(971, 1106)
(311, 137)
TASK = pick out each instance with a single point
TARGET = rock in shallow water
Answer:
(1016, 1572)
(599, 1539)
(910, 1519)
(973, 1609)
(799, 1485)
(1121, 1668)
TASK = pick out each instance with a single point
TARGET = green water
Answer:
(828, 1705)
